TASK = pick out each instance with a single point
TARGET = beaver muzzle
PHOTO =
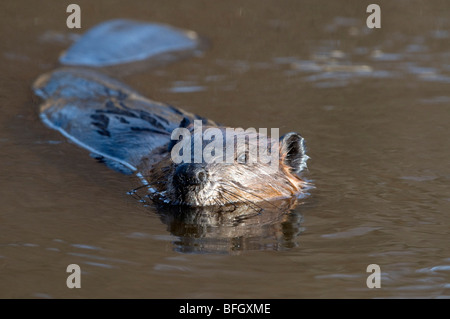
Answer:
(189, 180)
(190, 175)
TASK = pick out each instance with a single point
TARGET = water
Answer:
(373, 107)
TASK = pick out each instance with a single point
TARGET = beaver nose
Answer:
(190, 174)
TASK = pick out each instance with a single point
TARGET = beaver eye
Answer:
(242, 158)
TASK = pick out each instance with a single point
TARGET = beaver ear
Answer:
(293, 151)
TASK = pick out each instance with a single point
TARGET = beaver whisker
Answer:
(245, 200)
(135, 196)
(227, 201)
(242, 189)
(138, 197)
(255, 195)
(260, 197)
(217, 202)
(305, 184)
(133, 191)
(234, 194)
(154, 182)
(159, 182)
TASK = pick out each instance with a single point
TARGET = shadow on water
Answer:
(233, 229)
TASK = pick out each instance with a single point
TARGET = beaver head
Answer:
(213, 167)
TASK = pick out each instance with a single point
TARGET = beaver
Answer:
(131, 133)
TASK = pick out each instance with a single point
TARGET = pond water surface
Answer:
(372, 104)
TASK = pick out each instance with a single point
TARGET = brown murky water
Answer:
(373, 105)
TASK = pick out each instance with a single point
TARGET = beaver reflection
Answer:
(233, 228)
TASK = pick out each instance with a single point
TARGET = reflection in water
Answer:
(233, 228)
